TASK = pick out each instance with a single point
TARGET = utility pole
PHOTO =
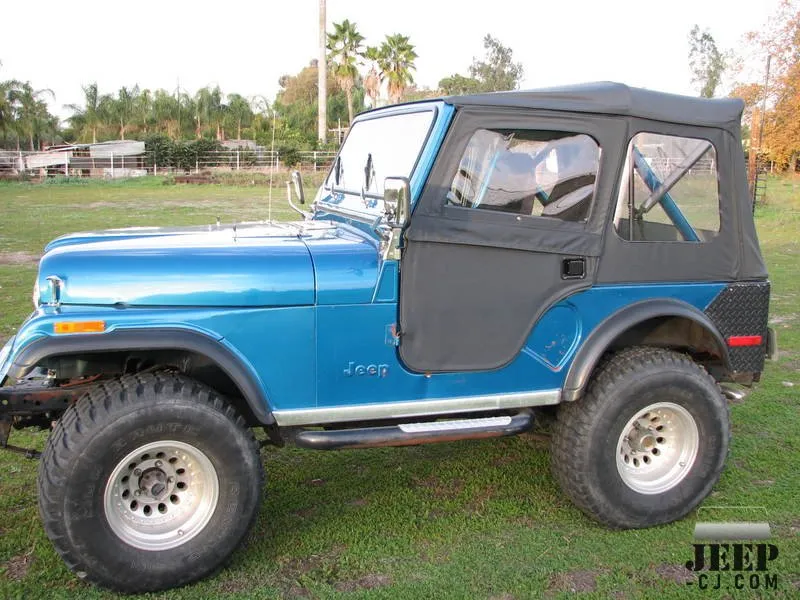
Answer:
(322, 77)
(764, 105)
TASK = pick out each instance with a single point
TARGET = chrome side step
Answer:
(411, 434)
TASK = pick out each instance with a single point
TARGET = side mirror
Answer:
(297, 180)
(397, 201)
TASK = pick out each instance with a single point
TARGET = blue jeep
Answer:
(469, 264)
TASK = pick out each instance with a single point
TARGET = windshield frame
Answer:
(367, 216)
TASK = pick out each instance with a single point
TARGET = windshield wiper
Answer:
(369, 172)
(337, 170)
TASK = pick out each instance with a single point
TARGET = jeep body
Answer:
(466, 261)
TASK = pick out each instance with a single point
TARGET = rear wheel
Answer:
(647, 442)
(149, 482)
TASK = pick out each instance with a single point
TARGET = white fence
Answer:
(116, 165)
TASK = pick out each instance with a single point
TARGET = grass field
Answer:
(459, 520)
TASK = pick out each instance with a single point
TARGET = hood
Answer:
(252, 265)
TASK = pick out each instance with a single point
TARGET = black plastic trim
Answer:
(610, 328)
(145, 339)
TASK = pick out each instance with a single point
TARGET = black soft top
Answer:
(610, 98)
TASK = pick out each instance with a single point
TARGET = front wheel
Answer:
(647, 442)
(149, 482)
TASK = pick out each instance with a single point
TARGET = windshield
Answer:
(375, 149)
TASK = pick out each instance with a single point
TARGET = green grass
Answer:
(459, 520)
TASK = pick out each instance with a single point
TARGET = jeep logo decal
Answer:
(371, 370)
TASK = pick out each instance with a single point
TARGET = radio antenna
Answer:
(271, 169)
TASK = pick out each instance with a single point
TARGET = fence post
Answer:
(112, 165)
(66, 165)
(155, 166)
(315, 161)
(196, 166)
(237, 160)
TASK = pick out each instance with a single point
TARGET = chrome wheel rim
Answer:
(161, 495)
(657, 448)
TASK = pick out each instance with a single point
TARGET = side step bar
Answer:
(411, 434)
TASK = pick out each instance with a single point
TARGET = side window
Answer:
(527, 173)
(669, 190)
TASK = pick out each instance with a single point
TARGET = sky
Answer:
(244, 47)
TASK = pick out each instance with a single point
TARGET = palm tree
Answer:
(372, 82)
(344, 47)
(239, 112)
(143, 111)
(209, 109)
(120, 111)
(396, 61)
(9, 91)
(87, 118)
(33, 118)
(166, 112)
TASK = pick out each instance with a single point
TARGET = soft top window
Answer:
(528, 173)
(669, 190)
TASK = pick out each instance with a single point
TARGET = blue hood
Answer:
(255, 265)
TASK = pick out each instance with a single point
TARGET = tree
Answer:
(706, 62)
(780, 40)
(372, 82)
(120, 110)
(457, 85)
(496, 72)
(33, 118)
(209, 109)
(296, 105)
(87, 118)
(8, 110)
(166, 110)
(396, 60)
(344, 48)
(239, 113)
(143, 116)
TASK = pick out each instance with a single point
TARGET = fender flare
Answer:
(151, 339)
(601, 337)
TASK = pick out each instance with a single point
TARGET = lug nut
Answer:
(170, 479)
(137, 472)
(137, 492)
(158, 464)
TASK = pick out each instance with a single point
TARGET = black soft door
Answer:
(504, 229)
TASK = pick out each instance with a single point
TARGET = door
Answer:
(509, 223)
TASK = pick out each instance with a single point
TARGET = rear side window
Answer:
(527, 173)
(669, 190)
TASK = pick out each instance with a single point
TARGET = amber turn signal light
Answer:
(79, 327)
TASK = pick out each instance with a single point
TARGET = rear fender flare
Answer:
(240, 372)
(601, 338)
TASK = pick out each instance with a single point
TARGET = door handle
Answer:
(573, 268)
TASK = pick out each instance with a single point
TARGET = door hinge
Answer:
(392, 335)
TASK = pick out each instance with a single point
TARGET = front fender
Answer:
(217, 350)
(601, 338)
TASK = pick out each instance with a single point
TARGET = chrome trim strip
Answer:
(457, 425)
(414, 408)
